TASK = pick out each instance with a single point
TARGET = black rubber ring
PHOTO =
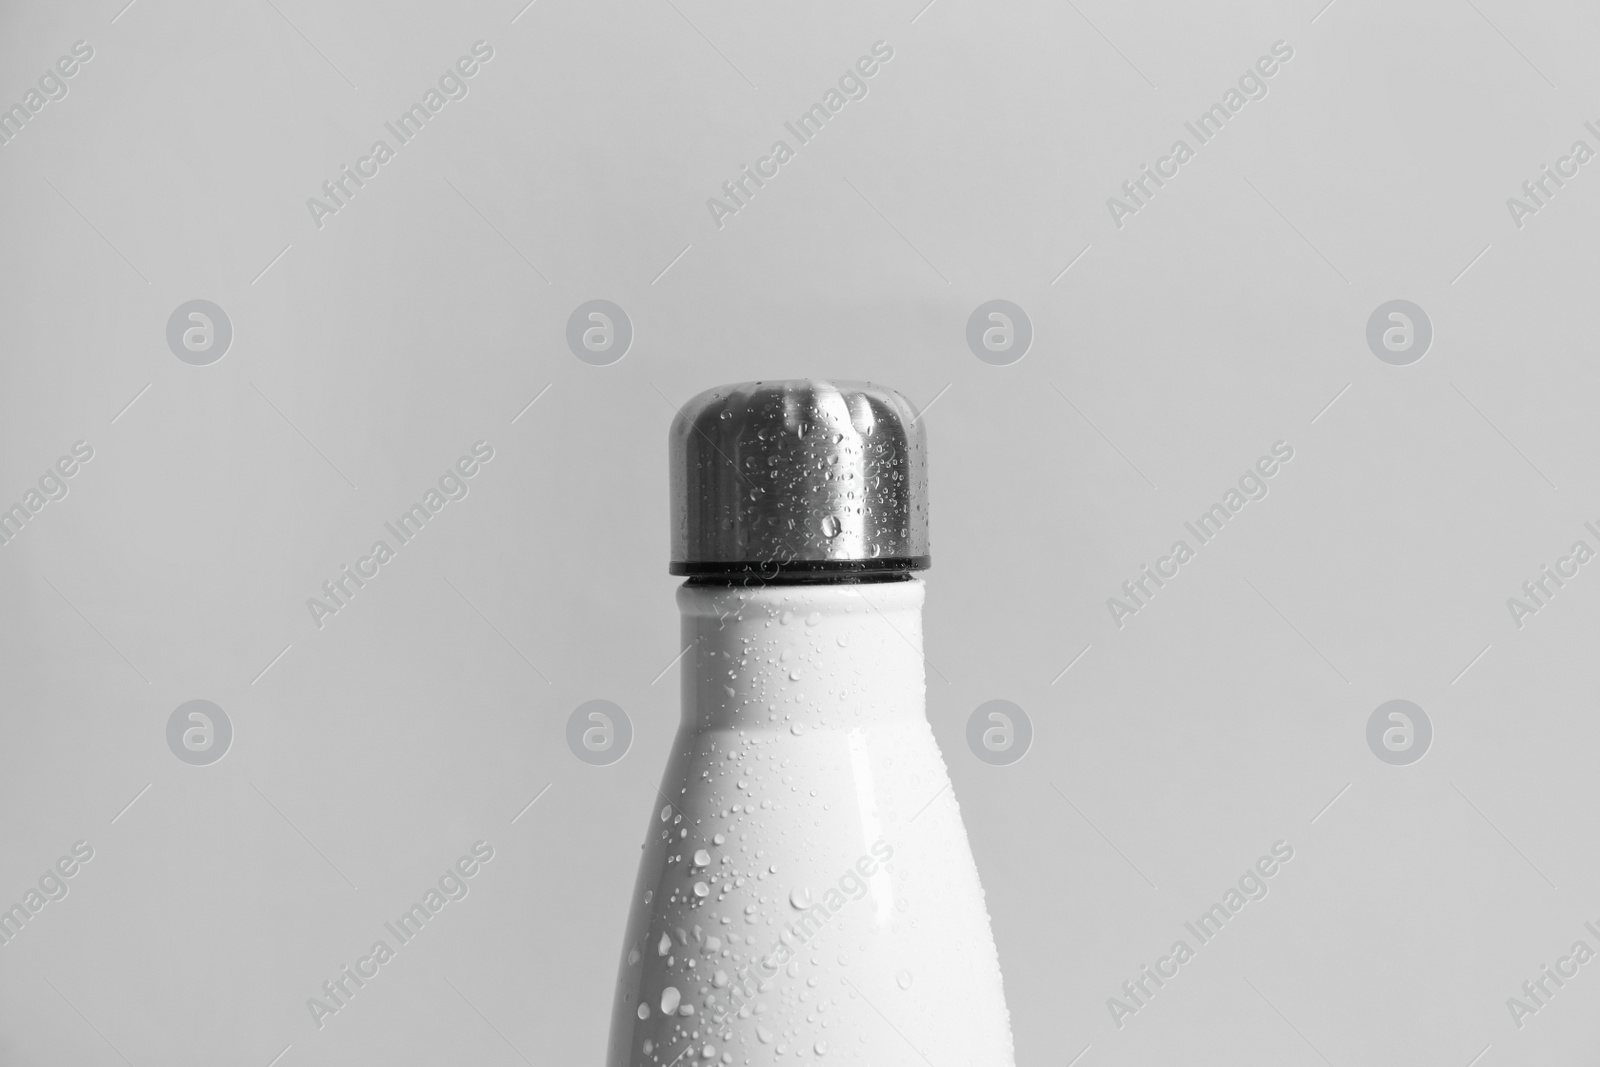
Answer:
(801, 569)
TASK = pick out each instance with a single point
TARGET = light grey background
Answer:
(370, 353)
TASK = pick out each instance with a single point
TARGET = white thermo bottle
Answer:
(806, 891)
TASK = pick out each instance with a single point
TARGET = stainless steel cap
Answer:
(797, 477)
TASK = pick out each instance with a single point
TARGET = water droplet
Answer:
(701, 889)
(720, 979)
(786, 618)
(844, 640)
(708, 1052)
(764, 1035)
(800, 898)
(665, 945)
(670, 998)
(718, 839)
(797, 729)
(644, 1011)
(666, 813)
(831, 526)
(903, 979)
(820, 1048)
(633, 955)
(814, 618)
(702, 858)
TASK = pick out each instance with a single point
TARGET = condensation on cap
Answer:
(799, 476)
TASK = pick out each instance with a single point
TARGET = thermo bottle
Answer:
(806, 891)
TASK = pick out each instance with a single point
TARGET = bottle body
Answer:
(806, 887)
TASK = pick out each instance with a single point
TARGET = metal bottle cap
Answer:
(798, 477)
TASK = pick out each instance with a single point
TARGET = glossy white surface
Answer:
(807, 891)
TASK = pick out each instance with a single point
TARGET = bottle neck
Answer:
(813, 655)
